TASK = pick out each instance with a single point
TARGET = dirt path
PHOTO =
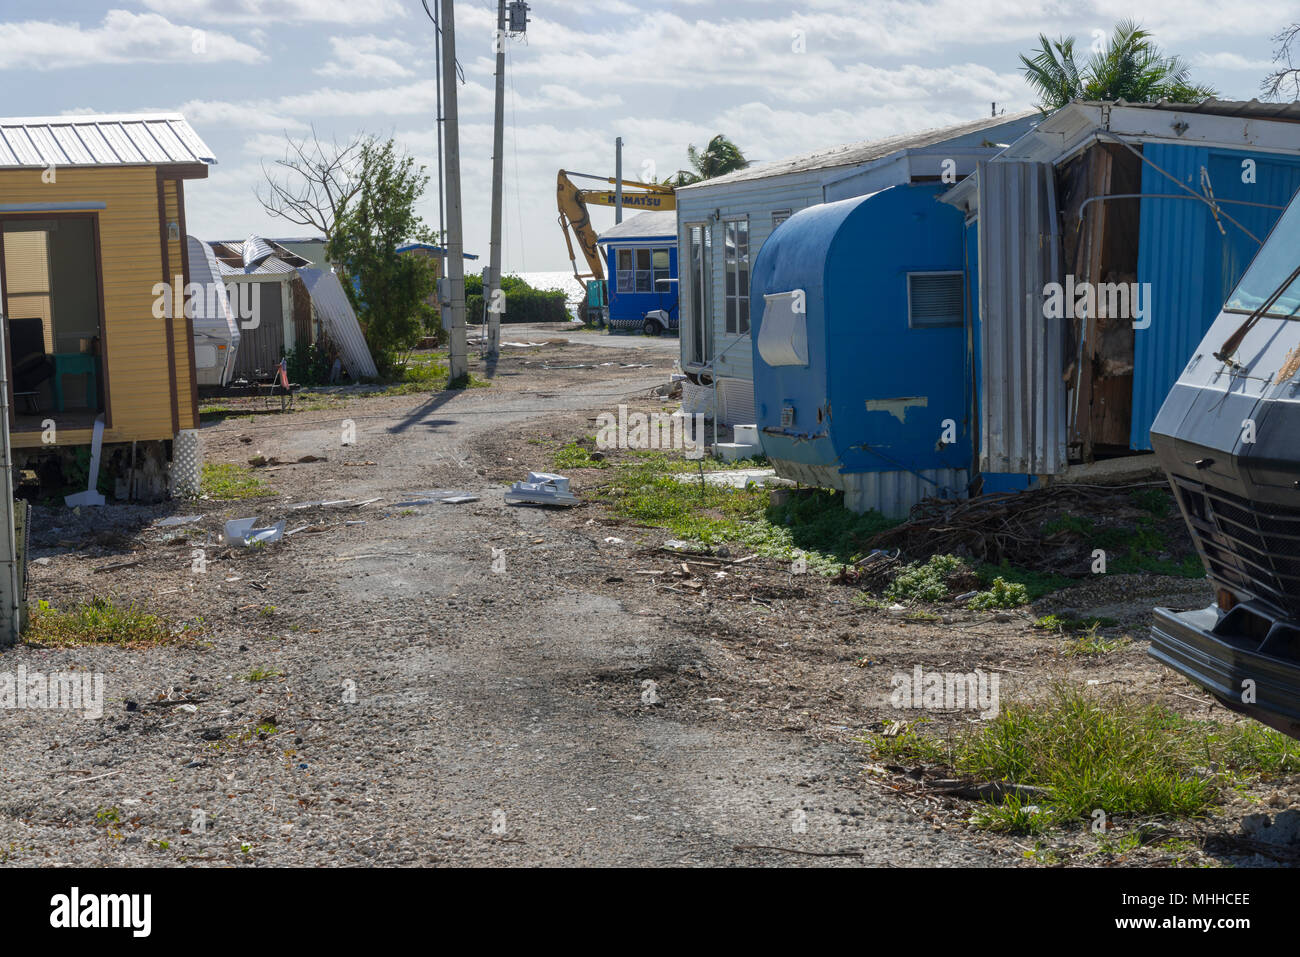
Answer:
(498, 718)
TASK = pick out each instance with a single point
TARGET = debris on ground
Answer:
(542, 488)
(242, 530)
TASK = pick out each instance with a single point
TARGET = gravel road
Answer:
(376, 694)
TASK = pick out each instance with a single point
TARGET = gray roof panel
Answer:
(854, 154)
(101, 140)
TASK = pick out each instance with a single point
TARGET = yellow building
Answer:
(92, 261)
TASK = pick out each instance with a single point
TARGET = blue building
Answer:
(1169, 200)
(641, 262)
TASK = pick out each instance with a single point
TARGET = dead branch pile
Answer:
(1006, 526)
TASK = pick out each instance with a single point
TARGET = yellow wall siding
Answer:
(182, 338)
(130, 249)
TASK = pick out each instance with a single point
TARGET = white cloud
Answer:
(123, 37)
(367, 58)
(270, 11)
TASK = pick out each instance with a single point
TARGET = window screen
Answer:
(935, 299)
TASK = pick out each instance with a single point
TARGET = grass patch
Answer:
(99, 622)
(263, 674)
(1092, 643)
(1095, 751)
(577, 455)
(224, 481)
(642, 489)
(1036, 583)
(1063, 624)
(425, 372)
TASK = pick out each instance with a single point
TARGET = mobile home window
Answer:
(661, 260)
(737, 276)
(779, 216)
(935, 299)
(625, 281)
(644, 271)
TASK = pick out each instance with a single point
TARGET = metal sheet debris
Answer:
(241, 530)
(340, 321)
(541, 488)
(171, 520)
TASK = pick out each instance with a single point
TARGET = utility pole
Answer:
(11, 598)
(493, 298)
(458, 360)
(618, 179)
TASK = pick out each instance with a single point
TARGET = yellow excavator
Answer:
(572, 203)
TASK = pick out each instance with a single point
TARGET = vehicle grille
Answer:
(1248, 546)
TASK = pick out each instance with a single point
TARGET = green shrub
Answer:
(523, 302)
(924, 582)
(1002, 594)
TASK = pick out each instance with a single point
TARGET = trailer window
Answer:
(737, 276)
(661, 260)
(644, 271)
(1273, 264)
(625, 281)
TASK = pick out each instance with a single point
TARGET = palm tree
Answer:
(720, 157)
(1129, 67)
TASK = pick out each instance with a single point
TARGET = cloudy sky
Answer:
(778, 77)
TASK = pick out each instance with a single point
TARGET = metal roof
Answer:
(255, 256)
(643, 226)
(854, 154)
(145, 139)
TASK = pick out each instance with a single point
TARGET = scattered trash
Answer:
(241, 530)
(613, 541)
(897, 611)
(438, 496)
(177, 520)
(542, 488)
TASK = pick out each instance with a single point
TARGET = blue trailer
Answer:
(860, 312)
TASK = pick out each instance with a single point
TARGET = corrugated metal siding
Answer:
(130, 251)
(1190, 265)
(1022, 400)
(339, 321)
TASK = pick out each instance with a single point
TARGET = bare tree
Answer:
(314, 182)
(1287, 74)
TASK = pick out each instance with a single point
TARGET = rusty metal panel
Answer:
(1022, 395)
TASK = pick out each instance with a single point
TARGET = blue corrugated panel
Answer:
(1189, 263)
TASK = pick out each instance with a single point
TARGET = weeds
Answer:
(99, 622)
(1088, 752)
(226, 482)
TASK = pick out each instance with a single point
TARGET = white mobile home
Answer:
(722, 223)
